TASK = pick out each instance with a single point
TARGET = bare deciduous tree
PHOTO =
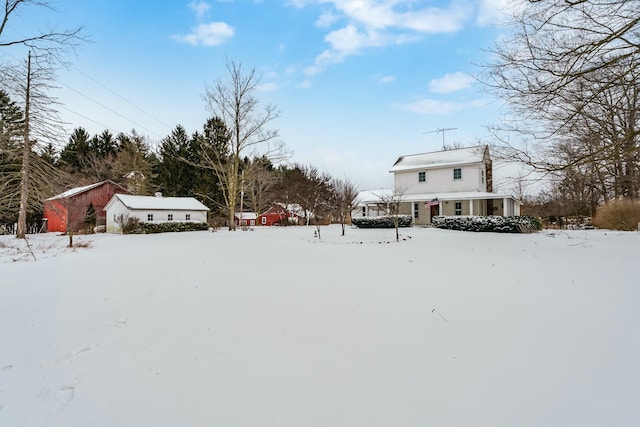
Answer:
(52, 43)
(391, 202)
(233, 101)
(346, 194)
(568, 74)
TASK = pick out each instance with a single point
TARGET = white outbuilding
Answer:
(153, 209)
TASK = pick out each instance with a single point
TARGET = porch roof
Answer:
(425, 197)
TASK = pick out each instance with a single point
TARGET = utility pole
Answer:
(443, 130)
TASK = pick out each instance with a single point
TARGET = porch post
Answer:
(505, 207)
(471, 207)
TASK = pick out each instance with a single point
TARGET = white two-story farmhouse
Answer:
(451, 182)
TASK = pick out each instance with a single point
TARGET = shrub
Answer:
(127, 223)
(167, 227)
(382, 221)
(621, 214)
(499, 224)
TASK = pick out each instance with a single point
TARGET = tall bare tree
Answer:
(41, 126)
(233, 100)
(568, 74)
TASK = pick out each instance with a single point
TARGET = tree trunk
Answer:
(21, 231)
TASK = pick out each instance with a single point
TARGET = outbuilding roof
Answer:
(78, 190)
(159, 203)
(445, 158)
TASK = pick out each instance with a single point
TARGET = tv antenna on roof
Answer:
(443, 130)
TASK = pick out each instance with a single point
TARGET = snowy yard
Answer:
(274, 327)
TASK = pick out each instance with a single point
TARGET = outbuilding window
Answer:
(263, 220)
(187, 217)
(149, 217)
(169, 217)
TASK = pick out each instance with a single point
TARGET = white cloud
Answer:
(379, 23)
(345, 42)
(435, 106)
(200, 8)
(326, 19)
(267, 87)
(211, 34)
(451, 83)
(492, 11)
(387, 79)
(432, 106)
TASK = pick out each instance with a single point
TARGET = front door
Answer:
(435, 210)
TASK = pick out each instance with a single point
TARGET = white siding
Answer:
(441, 180)
(117, 208)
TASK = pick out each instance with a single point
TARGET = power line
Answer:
(122, 98)
(104, 106)
(110, 109)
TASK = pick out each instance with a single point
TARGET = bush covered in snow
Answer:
(167, 227)
(499, 224)
(381, 221)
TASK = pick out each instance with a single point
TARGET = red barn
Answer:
(278, 213)
(67, 211)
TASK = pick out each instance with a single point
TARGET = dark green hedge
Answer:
(381, 221)
(498, 224)
(167, 227)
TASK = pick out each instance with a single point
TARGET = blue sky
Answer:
(359, 82)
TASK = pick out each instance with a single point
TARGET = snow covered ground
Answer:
(273, 327)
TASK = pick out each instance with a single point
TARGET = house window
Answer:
(149, 217)
(458, 208)
(263, 220)
(187, 217)
(422, 176)
(416, 210)
(364, 211)
(169, 217)
(457, 173)
(482, 177)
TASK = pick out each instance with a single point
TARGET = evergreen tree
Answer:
(90, 217)
(135, 163)
(175, 172)
(73, 155)
(11, 124)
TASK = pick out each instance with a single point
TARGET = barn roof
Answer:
(159, 203)
(445, 158)
(78, 190)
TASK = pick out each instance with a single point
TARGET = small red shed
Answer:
(278, 213)
(67, 211)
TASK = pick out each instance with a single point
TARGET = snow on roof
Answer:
(162, 203)
(77, 190)
(440, 158)
(246, 215)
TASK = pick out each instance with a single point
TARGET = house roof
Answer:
(246, 215)
(77, 190)
(445, 158)
(159, 203)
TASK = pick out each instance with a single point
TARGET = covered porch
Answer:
(423, 207)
